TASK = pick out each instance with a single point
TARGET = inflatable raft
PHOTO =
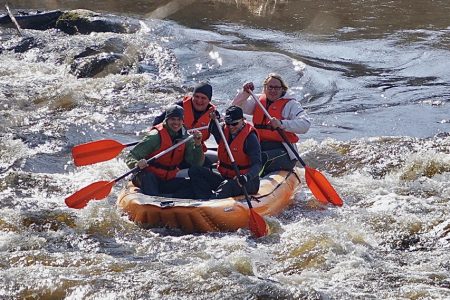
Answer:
(275, 195)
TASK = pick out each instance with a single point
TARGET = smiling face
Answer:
(200, 102)
(175, 123)
(273, 89)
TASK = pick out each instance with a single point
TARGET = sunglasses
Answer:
(233, 124)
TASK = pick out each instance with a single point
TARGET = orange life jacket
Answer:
(166, 166)
(237, 149)
(262, 123)
(190, 122)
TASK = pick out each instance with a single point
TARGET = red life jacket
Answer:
(237, 149)
(190, 122)
(166, 166)
(262, 123)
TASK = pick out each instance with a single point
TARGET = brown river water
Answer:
(374, 77)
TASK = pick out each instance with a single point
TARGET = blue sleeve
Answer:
(252, 148)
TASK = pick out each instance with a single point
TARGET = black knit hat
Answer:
(233, 113)
(174, 111)
(204, 88)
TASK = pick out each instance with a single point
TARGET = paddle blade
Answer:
(94, 152)
(97, 190)
(321, 188)
(257, 225)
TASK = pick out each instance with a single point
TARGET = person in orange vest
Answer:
(196, 113)
(245, 147)
(286, 113)
(159, 177)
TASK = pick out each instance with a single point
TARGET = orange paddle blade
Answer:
(321, 188)
(94, 152)
(97, 190)
(257, 225)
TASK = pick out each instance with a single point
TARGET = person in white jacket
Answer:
(286, 113)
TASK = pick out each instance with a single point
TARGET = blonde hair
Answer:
(277, 77)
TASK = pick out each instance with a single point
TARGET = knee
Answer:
(194, 171)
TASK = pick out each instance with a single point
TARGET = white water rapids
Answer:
(378, 99)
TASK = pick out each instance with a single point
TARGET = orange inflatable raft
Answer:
(276, 194)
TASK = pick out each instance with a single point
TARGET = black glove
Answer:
(218, 116)
(242, 179)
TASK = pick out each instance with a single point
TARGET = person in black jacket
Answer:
(245, 147)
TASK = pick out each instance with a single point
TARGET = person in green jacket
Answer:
(158, 178)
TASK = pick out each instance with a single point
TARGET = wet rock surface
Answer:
(101, 60)
(85, 22)
(33, 20)
(78, 21)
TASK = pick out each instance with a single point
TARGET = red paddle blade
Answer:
(321, 188)
(257, 225)
(97, 190)
(94, 152)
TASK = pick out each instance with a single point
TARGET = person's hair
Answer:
(278, 77)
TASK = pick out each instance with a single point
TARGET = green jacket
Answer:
(151, 142)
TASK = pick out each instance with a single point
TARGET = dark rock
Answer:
(25, 44)
(31, 20)
(115, 45)
(99, 65)
(21, 44)
(101, 60)
(72, 22)
(85, 22)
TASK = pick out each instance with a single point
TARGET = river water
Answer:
(374, 77)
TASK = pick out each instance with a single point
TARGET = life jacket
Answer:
(190, 122)
(262, 123)
(242, 160)
(166, 166)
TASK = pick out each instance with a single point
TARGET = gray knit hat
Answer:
(174, 111)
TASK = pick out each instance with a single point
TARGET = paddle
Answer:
(317, 183)
(13, 19)
(257, 225)
(102, 150)
(101, 189)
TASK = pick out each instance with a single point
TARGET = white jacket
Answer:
(295, 117)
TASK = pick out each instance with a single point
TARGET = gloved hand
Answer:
(214, 115)
(142, 164)
(242, 179)
(218, 116)
(197, 137)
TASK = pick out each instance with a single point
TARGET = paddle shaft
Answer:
(189, 130)
(233, 163)
(324, 187)
(155, 157)
(13, 19)
(101, 189)
(103, 150)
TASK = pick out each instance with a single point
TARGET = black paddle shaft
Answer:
(233, 163)
(247, 196)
